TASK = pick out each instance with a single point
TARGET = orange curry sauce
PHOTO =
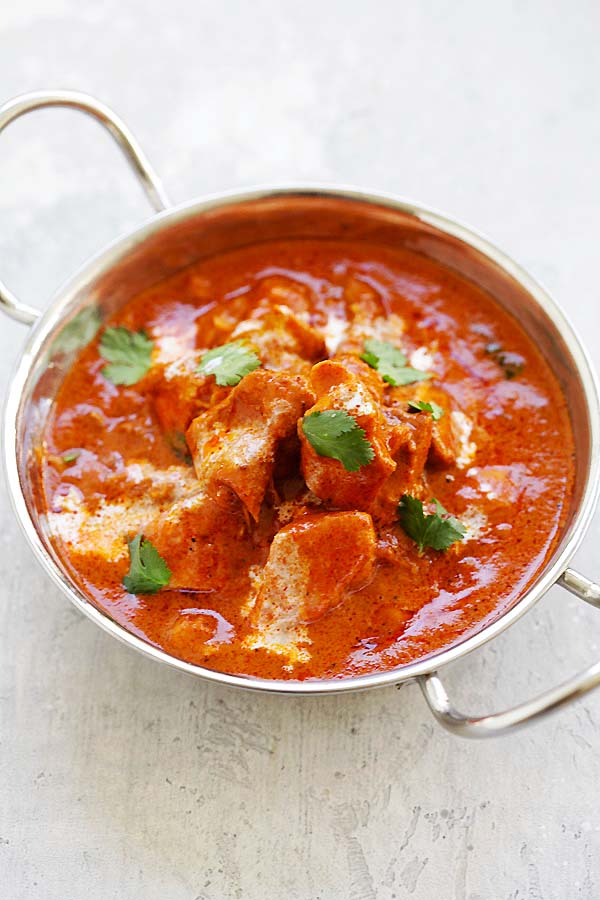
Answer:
(343, 591)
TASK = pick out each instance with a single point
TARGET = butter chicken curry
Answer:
(308, 459)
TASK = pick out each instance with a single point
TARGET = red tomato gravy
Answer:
(284, 564)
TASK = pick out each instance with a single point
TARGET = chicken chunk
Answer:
(277, 289)
(363, 302)
(443, 450)
(196, 631)
(338, 388)
(282, 340)
(410, 448)
(279, 338)
(409, 441)
(204, 540)
(179, 393)
(301, 583)
(371, 379)
(234, 442)
(368, 316)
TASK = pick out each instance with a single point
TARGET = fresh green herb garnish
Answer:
(336, 434)
(512, 363)
(148, 572)
(439, 530)
(229, 362)
(128, 352)
(71, 457)
(420, 405)
(79, 331)
(391, 363)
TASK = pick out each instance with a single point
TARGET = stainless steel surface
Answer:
(132, 151)
(189, 232)
(581, 586)
(531, 710)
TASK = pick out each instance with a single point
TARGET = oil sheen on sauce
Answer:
(108, 469)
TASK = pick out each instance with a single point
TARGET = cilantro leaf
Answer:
(69, 458)
(377, 352)
(336, 434)
(450, 519)
(148, 571)
(229, 362)
(128, 352)
(421, 406)
(439, 530)
(391, 363)
(79, 331)
(407, 375)
(512, 364)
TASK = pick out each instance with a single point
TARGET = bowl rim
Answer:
(106, 258)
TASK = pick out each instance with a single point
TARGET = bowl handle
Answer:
(131, 149)
(530, 711)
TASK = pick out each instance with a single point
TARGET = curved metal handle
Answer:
(121, 134)
(531, 710)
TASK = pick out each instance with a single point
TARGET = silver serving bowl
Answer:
(179, 236)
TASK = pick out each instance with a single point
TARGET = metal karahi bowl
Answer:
(178, 236)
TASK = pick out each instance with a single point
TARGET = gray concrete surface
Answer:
(120, 779)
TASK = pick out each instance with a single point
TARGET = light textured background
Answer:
(121, 779)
